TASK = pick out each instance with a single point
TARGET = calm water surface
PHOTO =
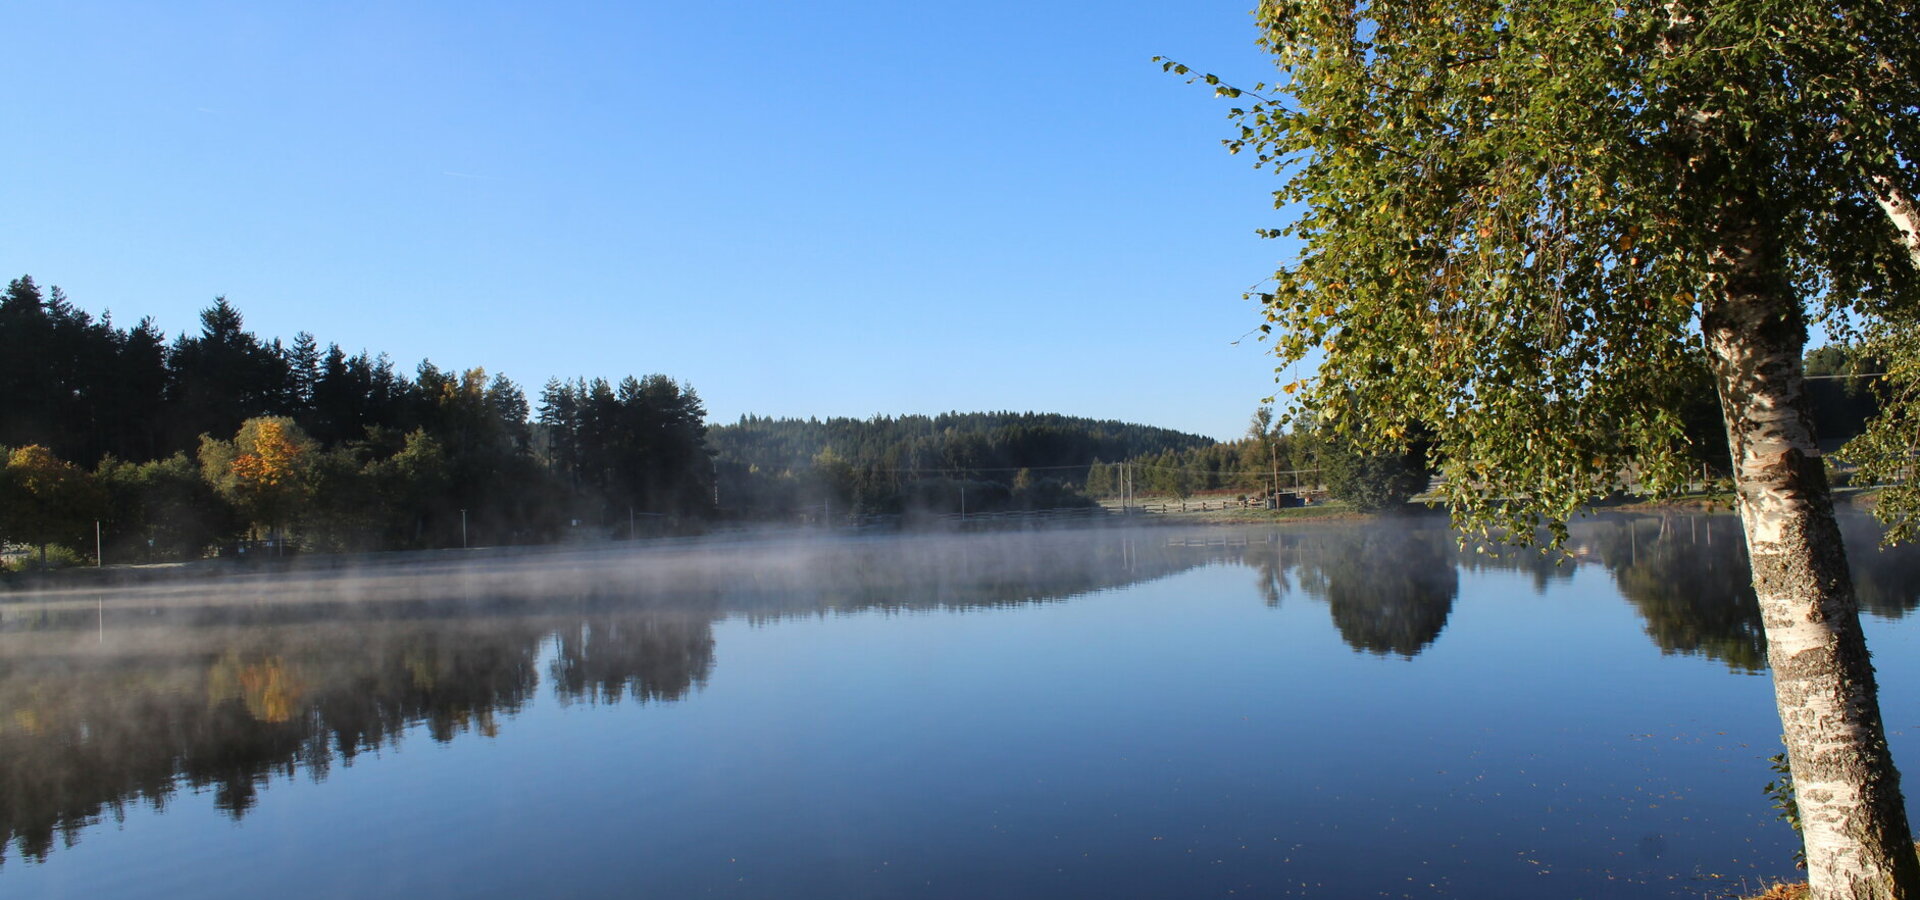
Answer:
(1330, 711)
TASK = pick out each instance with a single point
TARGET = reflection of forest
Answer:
(84, 732)
(128, 696)
(1388, 587)
(1687, 576)
(651, 658)
(218, 686)
(1887, 581)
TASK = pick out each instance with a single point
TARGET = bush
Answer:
(59, 556)
(1373, 482)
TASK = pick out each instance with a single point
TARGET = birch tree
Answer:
(1516, 220)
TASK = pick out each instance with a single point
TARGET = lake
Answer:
(1331, 710)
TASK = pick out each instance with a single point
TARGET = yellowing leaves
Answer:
(270, 691)
(44, 496)
(274, 459)
(37, 467)
(265, 470)
(268, 687)
(28, 720)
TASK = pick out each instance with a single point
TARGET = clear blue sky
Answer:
(825, 208)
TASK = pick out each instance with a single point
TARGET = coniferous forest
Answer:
(224, 441)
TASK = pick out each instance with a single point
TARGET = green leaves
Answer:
(1502, 232)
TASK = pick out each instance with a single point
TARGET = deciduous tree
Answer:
(160, 509)
(1372, 482)
(45, 499)
(265, 471)
(1517, 220)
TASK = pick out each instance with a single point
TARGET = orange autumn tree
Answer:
(266, 471)
(271, 689)
(45, 499)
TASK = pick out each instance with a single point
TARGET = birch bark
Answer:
(1903, 211)
(1858, 843)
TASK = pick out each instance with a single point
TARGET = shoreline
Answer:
(1145, 512)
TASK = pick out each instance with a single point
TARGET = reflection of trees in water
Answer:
(1887, 581)
(1391, 593)
(1271, 578)
(228, 683)
(1687, 576)
(86, 734)
(220, 689)
(661, 657)
(1389, 588)
(1545, 569)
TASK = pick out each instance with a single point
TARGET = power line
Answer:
(970, 470)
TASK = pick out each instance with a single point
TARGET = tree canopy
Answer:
(1508, 214)
(1521, 224)
(344, 451)
(887, 464)
(44, 499)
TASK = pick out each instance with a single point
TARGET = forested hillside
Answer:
(178, 446)
(944, 463)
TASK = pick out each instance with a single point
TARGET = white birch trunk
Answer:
(1857, 839)
(1900, 207)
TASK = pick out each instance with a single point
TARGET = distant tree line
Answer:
(642, 442)
(1842, 386)
(177, 446)
(171, 448)
(174, 447)
(977, 462)
(1266, 459)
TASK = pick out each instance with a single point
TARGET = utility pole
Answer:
(463, 529)
(99, 558)
(1273, 459)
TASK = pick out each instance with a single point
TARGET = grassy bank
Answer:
(1203, 509)
(1794, 890)
(1206, 510)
